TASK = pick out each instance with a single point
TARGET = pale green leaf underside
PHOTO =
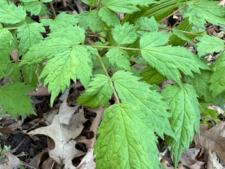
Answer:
(209, 44)
(203, 11)
(118, 57)
(72, 64)
(121, 143)
(169, 60)
(185, 117)
(108, 16)
(11, 14)
(147, 24)
(14, 101)
(29, 35)
(90, 2)
(152, 76)
(124, 34)
(218, 79)
(99, 92)
(131, 90)
(91, 20)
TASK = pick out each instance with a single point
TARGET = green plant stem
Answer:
(110, 47)
(186, 32)
(99, 4)
(53, 10)
(173, 13)
(45, 12)
(11, 28)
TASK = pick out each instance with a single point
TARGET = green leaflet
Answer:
(182, 36)
(218, 101)
(56, 43)
(73, 64)
(169, 60)
(124, 34)
(218, 79)
(205, 10)
(29, 35)
(14, 72)
(200, 82)
(36, 7)
(14, 101)
(99, 92)
(92, 20)
(61, 21)
(109, 17)
(147, 24)
(90, 2)
(118, 57)
(209, 44)
(209, 113)
(125, 140)
(11, 14)
(152, 76)
(185, 117)
(130, 90)
(29, 75)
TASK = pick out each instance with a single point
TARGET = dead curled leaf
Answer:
(214, 140)
(13, 162)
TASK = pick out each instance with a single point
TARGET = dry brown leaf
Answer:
(222, 3)
(61, 135)
(40, 91)
(213, 163)
(214, 140)
(13, 162)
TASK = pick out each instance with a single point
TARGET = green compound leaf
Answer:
(90, 2)
(182, 36)
(56, 43)
(29, 75)
(61, 21)
(99, 92)
(29, 35)
(205, 10)
(36, 7)
(218, 79)
(169, 60)
(185, 117)
(200, 82)
(209, 44)
(10, 13)
(152, 76)
(147, 24)
(124, 34)
(131, 90)
(14, 101)
(13, 71)
(109, 17)
(92, 20)
(118, 57)
(73, 63)
(122, 141)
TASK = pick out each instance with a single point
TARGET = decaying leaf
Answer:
(213, 163)
(13, 162)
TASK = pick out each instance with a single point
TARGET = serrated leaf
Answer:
(92, 20)
(169, 60)
(62, 20)
(147, 24)
(13, 71)
(185, 117)
(108, 16)
(131, 90)
(73, 64)
(29, 75)
(119, 58)
(182, 36)
(99, 92)
(218, 79)
(218, 101)
(29, 35)
(200, 82)
(90, 2)
(10, 13)
(209, 44)
(33, 6)
(123, 125)
(152, 76)
(124, 34)
(14, 101)
(205, 10)
(56, 43)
